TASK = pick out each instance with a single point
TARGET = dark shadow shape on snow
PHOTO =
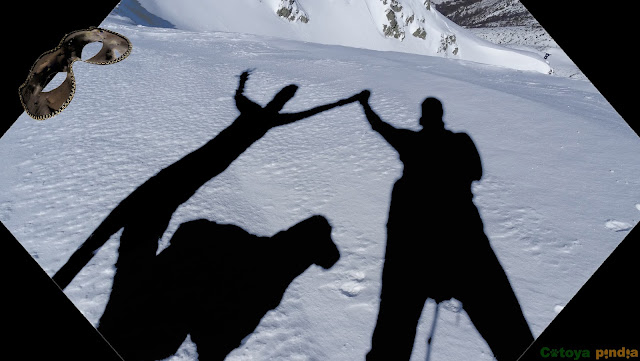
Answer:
(436, 245)
(214, 282)
(148, 209)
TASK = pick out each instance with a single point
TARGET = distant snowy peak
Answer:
(487, 13)
(401, 17)
(412, 26)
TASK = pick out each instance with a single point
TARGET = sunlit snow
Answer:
(559, 192)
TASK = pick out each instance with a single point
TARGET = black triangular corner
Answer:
(605, 309)
(40, 322)
(597, 39)
(604, 312)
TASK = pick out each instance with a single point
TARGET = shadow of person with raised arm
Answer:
(146, 212)
(436, 245)
(214, 282)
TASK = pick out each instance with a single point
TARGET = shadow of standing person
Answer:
(436, 245)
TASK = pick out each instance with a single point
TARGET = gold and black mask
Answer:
(42, 105)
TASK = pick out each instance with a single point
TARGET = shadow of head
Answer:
(313, 237)
(201, 241)
(228, 279)
(432, 113)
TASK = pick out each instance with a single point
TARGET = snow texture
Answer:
(559, 192)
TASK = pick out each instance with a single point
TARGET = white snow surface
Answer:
(533, 39)
(355, 23)
(560, 187)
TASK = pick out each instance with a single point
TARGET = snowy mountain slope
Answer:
(508, 23)
(137, 14)
(536, 40)
(560, 189)
(411, 26)
(532, 37)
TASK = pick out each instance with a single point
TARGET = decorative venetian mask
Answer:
(42, 105)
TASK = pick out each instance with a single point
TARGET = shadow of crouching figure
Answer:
(436, 245)
(215, 282)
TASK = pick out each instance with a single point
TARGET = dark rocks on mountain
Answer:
(395, 6)
(289, 10)
(392, 29)
(409, 19)
(420, 33)
(446, 42)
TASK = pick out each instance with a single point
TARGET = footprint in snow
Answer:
(618, 226)
(353, 287)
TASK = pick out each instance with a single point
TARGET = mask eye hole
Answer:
(90, 50)
(55, 82)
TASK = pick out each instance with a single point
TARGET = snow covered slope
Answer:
(559, 192)
(138, 15)
(411, 26)
(508, 23)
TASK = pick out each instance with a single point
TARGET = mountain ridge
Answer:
(486, 13)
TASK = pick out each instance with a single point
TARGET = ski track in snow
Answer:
(546, 192)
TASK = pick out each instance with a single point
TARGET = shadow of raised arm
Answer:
(286, 118)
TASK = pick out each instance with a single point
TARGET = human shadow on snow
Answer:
(219, 277)
(215, 282)
(436, 246)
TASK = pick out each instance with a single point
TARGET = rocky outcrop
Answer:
(292, 11)
(448, 44)
(402, 19)
(392, 29)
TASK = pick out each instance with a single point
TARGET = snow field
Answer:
(560, 175)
